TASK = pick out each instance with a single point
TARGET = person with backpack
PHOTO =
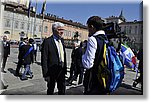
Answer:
(104, 70)
(26, 54)
(92, 86)
(23, 42)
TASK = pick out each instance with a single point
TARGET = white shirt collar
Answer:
(99, 32)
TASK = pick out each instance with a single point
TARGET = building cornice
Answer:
(21, 9)
(133, 22)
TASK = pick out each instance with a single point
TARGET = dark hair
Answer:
(81, 43)
(85, 41)
(31, 40)
(25, 38)
(96, 21)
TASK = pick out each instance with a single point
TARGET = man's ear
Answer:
(92, 26)
(94, 29)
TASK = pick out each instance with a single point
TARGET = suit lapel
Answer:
(54, 45)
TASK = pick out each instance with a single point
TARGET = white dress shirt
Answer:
(57, 45)
(35, 46)
(89, 56)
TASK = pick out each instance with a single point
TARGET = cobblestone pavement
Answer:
(37, 85)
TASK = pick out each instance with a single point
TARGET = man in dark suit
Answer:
(5, 52)
(53, 60)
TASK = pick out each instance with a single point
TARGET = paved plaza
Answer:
(37, 85)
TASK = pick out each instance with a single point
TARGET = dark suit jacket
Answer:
(29, 58)
(6, 49)
(50, 57)
(79, 54)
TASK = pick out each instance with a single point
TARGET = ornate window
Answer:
(40, 28)
(7, 23)
(45, 29)
(22, 25)
(16, 24)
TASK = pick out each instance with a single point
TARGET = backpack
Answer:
(110, 68)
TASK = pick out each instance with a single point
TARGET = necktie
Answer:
(61, 51)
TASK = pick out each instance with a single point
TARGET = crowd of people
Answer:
(26, 56)
(54, 63)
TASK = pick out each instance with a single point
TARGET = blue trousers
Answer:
(27, 70)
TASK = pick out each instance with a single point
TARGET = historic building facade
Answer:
(133, 29)
(16, 24)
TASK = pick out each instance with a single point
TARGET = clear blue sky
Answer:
(80, 12)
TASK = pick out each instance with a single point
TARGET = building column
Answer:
(1, 17)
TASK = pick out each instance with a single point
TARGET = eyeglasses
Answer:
(60, 29)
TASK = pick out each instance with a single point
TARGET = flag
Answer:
(128, 56)
(36, 6)
(43, 7)
(27, 3)
(29, 9)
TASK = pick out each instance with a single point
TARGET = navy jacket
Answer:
(6, 49)
(29, 58)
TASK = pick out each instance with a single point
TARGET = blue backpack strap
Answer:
(99, 58)
(31, 48)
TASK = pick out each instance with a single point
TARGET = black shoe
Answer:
(68, 79)
(75, 79)
(79, 83)
(16, 74)
(66, 83)
(3, 71)
(29, 74)
(134, 84)
(24, 78)
(5, 87)
(31, 77)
